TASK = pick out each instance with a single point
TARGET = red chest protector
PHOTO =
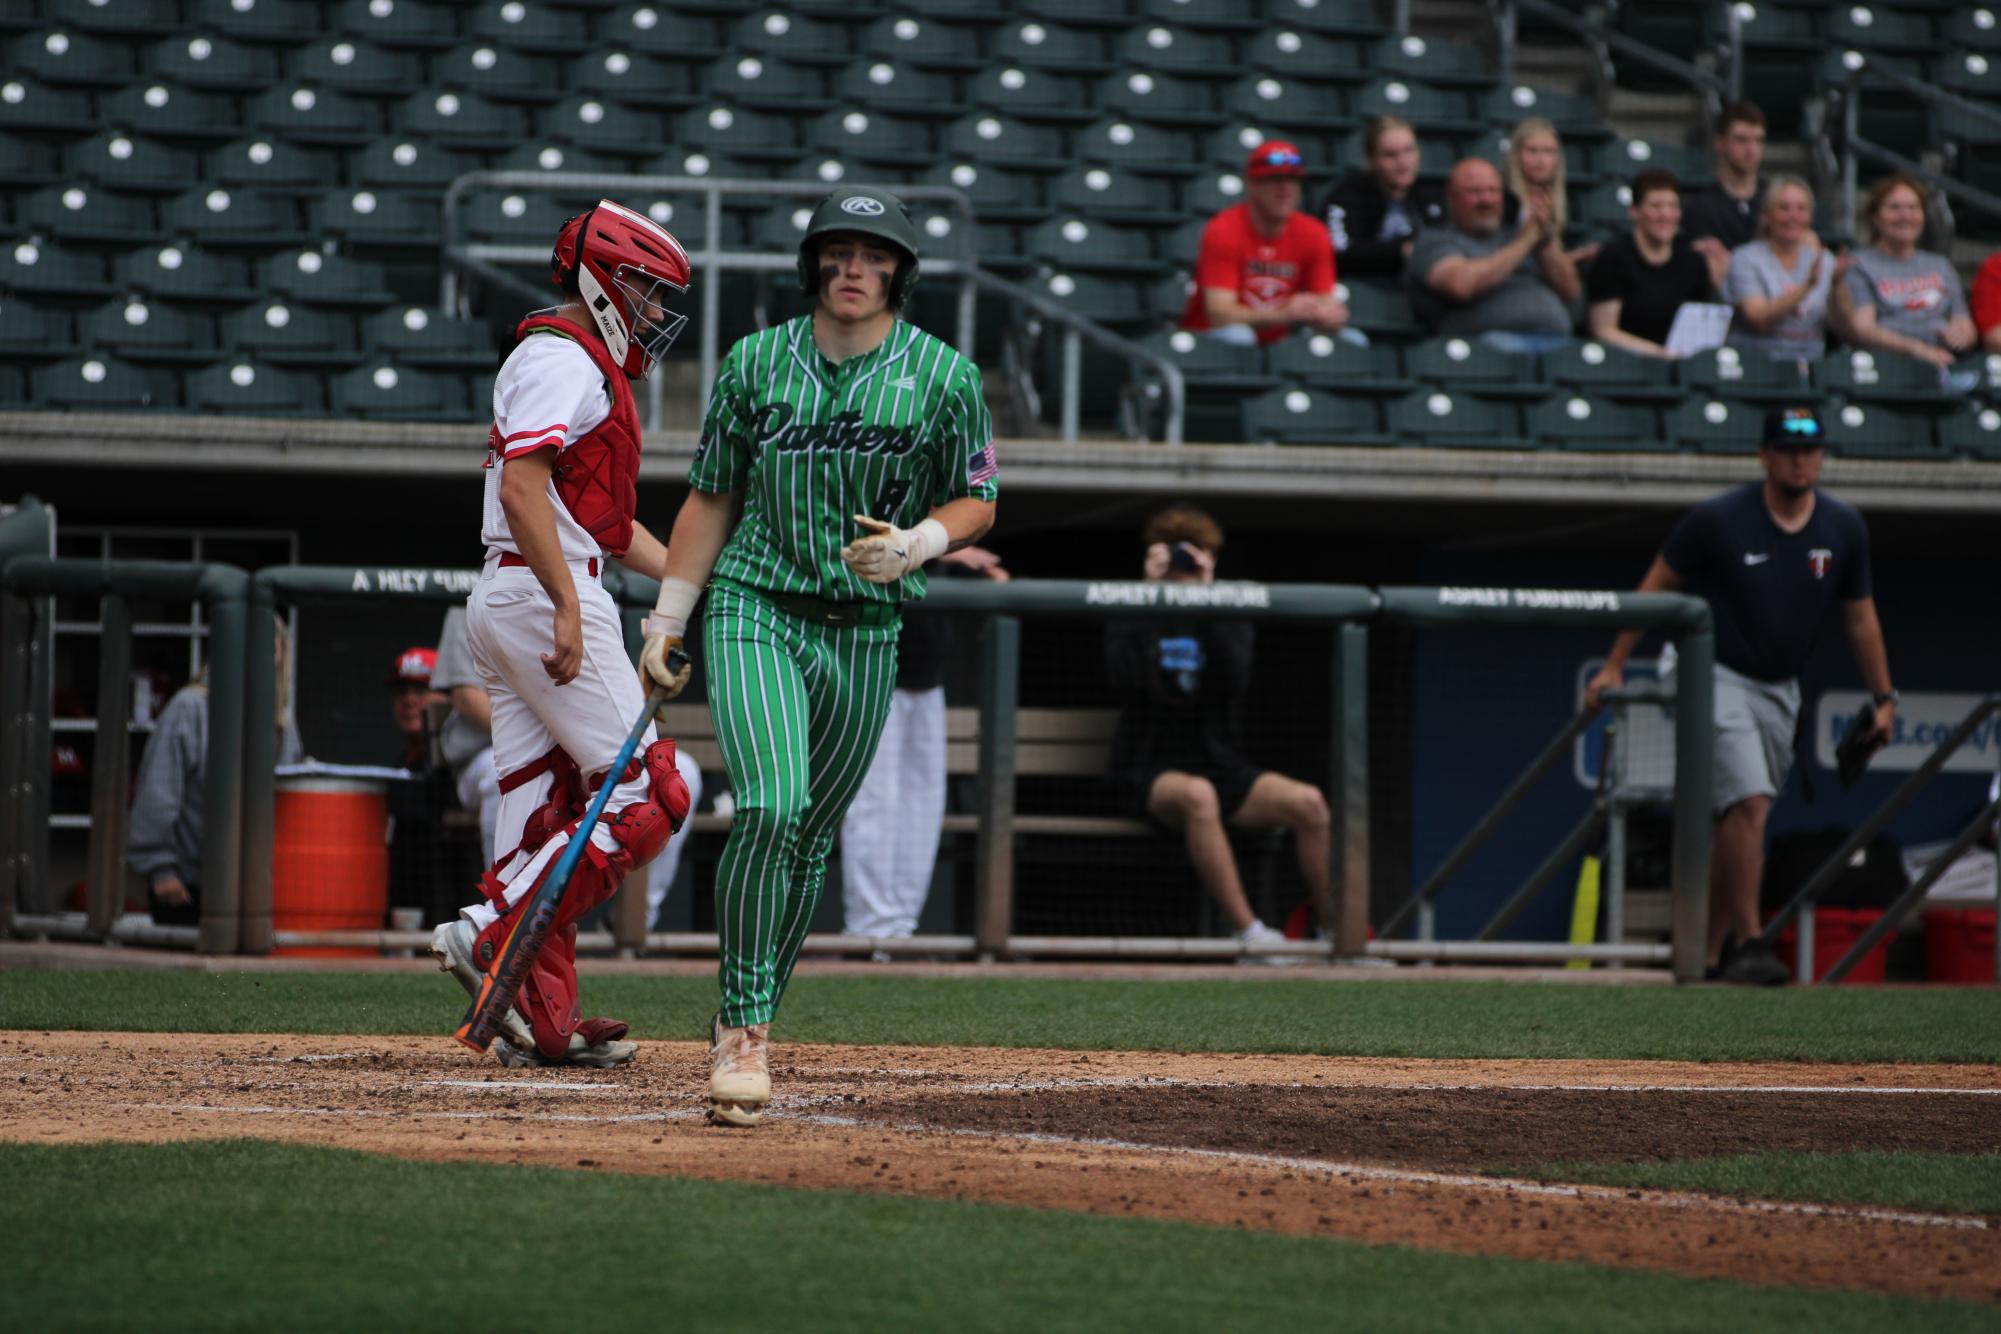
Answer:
(597, 476)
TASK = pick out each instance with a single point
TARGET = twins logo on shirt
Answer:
(1818, 560)
(1269, 281)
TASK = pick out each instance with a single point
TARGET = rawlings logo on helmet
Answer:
(863, 206)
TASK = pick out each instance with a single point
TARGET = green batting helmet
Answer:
(876, 213)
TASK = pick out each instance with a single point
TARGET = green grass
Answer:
(1438, 1019)
(1947, 1182)
(256, 1236)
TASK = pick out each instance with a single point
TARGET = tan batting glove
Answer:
(888, 553)
(664, 664)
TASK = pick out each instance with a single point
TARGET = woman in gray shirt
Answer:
(1899, 298)
(1779, 283)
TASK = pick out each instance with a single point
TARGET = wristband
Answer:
(1887, 697)
(930, 539)
(675, 603)
(670, 627)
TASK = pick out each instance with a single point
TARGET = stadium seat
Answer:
(142, 332)
(1470, 365)
(283, 22)
(1716, 426)
(431, 339)
(319, 116)
(409, 164)
(185, 274)
(213, 63)
(1049, 46)
(1572, 419)
(240, 387)
(1972, 27)
(116, 160)
(872, 138)
(316, 278)
(1269, 100)
(1727, 372)
(1005, 141)
(540, 28)
(95, 382)
(1379, 311)
(285, 333)
(1430, 60)
(780, 227)
(1873, 432)
(650, 28)
(28, 331)
(378, 218)
(169, 109)
(1202, 15)
(416, 25)
(1306, 57)
(1881, 27)
(1075, 245)
(1162, 99)
(602, 126)
(460, 120)
(1324, 361)
(996, 245)
(1971, 74)
(214, 216)
(363, 69)
(1431, 110)
(1183, 244)
(1116, 196)
(1292, 415)
(502, 73)
(71, 59)
(128, 18)
(549, 156)
(1136, 145)
(1457, 420)
(1163, 300)
(725, 131)
(1171, 48)
(13, 387)
(686, 218)
(1210, 193)
(1623, 159)
(270, 164)
(1032, 94)
(384, 392)
(75, 212)
(792, 36)
(525, 217)
(1986, 368)
(996, 192)
(1975, 433)
(1574, 117)
(906, 88)
(634, 79)
(1094, 296)
(29, 104)
(923, 43)
(1210, 363)
(1610, 372)
(1339, 18)
(766, 83)
(1883, 377)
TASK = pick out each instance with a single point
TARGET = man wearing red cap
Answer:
(419, 873)
(1265, 266)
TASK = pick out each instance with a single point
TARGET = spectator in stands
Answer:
(1779, 283)
(1772, 558)
(1177, 753)
(1721, 215)
(1470, 279)
(1535, 174)
(420, 877)
(1642, 279)
(1898, 298)
(1375, 214)
(163, 842)
(889, 837)
(1264, 266)
(1985, 303)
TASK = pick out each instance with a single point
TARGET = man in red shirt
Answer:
(1264, 265)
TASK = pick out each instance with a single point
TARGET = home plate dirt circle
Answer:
(1385, 1151)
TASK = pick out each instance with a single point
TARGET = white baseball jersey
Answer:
(548, 392)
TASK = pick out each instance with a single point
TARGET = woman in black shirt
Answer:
(1643, 278)
(1375, 213)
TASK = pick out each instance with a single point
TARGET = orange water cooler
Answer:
(330, 859)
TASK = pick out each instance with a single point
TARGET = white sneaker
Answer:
(739, 1073)
(451, 946)
(1257, 940)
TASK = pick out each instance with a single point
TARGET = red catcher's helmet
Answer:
(628, 267)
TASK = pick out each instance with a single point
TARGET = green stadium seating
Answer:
(766, 83)
(1986, 367)
(1972, 27)
(1380, 312)
(1271, 101)
(737, 132)
(284, 22)
(1042, 45)
(1004, 141)
(28, 331)
(1882, 377)
(870, 137)
(1716, 426)
(315, 278)
(1974, 433)
(378, 218)
(270, 164)
(1306, 57)
(214, 216)
(502, 73)
(1431, 110)
(240, 387)
(384, 392)
(1174, 49)
(792, 36)
(465, 121)
(1163, 99)
(1470, 365)
(1623, 159)
(923, 43)
(213, 63)
(1165, 298)
(1440, 63)
(1210, 363)
(1116, 196)
(890, 86)
(94, 382)
(602, 126)
(524, 217)
(1325, 361)
(127, 18)
(142, 332)
(430, 339)
(1106, 14)
(1881, 27)
(410, 164)
(77, 213)
(116, 160)
(29, 104)
(1601, 210)
(1726, 372)
(1971, 74)
(1075, 245)
(1293, 415)
(1210, 15)
(674, 35)
(1340, 18)
(319, 116)
(71, 59)
(1211, 193)
(13, 387)
(1457, 420)
(172, 110)
(1573, 116)
(1873, 432)
(996, 192)
(1610, 372)
(634, 79)
(187, 275)
(541, 28)
(550, 156)
(1136, 145)
(1032, 94)
(781, 226)
(1094, 296)
(1576, 420)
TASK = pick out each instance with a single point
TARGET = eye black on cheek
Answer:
(829, 272)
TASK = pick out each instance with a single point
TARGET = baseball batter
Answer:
(562, 463)
(860, 447)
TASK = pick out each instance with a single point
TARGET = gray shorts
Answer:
(1755, 721)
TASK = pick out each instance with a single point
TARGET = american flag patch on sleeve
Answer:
(981, 467)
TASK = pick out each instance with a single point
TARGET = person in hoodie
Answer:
(1374, 214)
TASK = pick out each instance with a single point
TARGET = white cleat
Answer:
(451, 946)
(597, 1056)
(739, 1073)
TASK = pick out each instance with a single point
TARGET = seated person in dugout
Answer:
(1178, 756)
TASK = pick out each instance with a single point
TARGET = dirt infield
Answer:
(1375, 1150)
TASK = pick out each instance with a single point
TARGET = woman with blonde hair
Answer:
(1534, 173)
(1779, 283)
(1898, 298)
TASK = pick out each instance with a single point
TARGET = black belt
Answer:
(823, 611)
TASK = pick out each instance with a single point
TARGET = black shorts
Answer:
(1231, 781)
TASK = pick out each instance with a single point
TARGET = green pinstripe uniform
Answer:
(799, 704)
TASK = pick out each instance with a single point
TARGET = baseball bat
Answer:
(502, 982)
